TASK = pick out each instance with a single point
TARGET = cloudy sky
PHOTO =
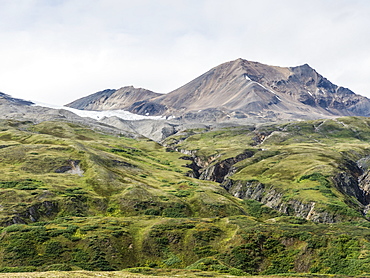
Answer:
(55, 51)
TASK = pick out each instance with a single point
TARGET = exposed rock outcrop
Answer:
(34, 213)
(274, 198)
(73, 167)
(221, 170)
(354, 181)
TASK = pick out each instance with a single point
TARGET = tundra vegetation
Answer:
(73, 199)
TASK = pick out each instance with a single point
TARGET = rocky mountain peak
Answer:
(240, 90)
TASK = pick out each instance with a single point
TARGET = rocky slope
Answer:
(246, 91)
(113, 99)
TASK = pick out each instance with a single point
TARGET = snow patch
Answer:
(309, 93)
(247, 77)
(271, 91)
(98, 115)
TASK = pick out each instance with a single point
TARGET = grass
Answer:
(146, 244)
(117, 168)
(284, 153)
(223, 143)
(135, 210)
(159, 274)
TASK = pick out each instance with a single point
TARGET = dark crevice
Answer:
(215, 172)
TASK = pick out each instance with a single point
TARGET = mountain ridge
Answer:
(251, 90)
(111, 99)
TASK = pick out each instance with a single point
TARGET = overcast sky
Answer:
(56, 51)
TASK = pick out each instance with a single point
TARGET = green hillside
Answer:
(311, 165)
(75, 199)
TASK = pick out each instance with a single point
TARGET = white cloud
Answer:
(58, 51)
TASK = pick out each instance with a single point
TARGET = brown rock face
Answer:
(242, 89)
(113, 99)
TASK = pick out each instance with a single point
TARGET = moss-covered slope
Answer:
(72, 199)
(314, 169)
(58, 169)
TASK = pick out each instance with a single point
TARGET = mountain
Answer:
(215, 197)
(113, 99)
(249, 91)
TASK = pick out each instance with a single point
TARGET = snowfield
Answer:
(98, 115)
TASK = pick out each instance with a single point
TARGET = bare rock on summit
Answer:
(256, 90)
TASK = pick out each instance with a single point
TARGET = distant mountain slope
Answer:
(7, 99)
(113, 99)
(244, 89)
(26, 111)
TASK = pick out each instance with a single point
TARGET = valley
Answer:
(247, 170)
(137, 205)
